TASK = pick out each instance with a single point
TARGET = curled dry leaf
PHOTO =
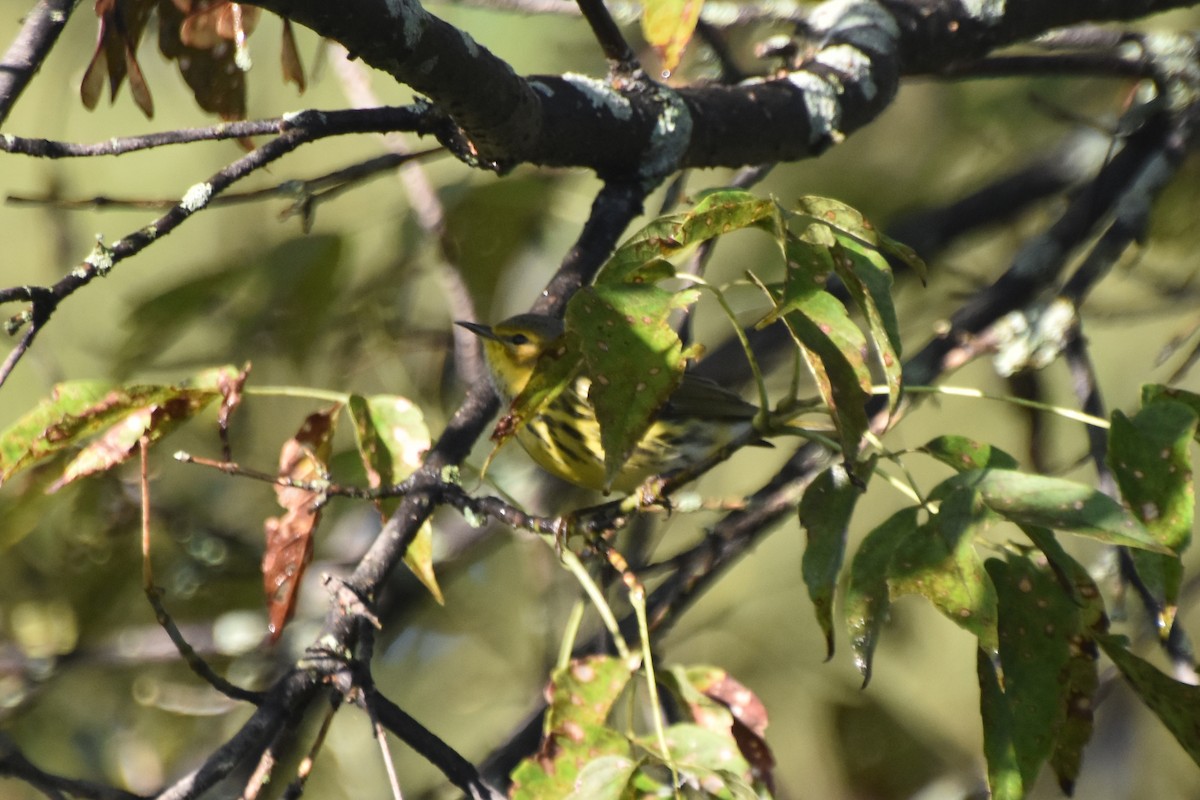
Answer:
(289, 544)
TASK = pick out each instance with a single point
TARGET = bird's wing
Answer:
(707, 399)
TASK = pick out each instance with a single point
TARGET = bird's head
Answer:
(512, 347)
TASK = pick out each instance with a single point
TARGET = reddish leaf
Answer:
(122, 23)
(212, 72)
(120, 441)
(289, 537)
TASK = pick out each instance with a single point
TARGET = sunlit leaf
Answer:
(392, 438)
(1149, 458)
(1059, 504)
(581, 695)
(668, 25)
(940, 563)
(716, 213)
(833, 346)
(866, 275)
(77, 410)
(120, 441)
(719, 702)
(633, 358)
(843, 218)
(965, 454)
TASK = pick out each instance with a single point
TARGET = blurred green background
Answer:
(89, 686)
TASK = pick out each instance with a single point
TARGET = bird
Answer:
(699, 417)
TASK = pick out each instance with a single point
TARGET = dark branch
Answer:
(25, 55)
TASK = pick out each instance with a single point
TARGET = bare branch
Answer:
(25, 55)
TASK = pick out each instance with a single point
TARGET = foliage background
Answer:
(357, 304)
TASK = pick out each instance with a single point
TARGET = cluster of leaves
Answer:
(205, 38)
(96, 426)
(619, 332)
(1037, 614)
(720, 749)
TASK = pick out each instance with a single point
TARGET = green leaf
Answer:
(604, 777)
(1059, 504)
(633, 358)
(716, 213)
(581, 697)
(1153, 392)
(668, 26)
(72, 411)
(825, 514)
(841, 217)
(832, 345)
(392, 438)
(939, 562)
(964, 454)
(704, 752)
(866, 275)
(1176, 704)
(1149, 458)
(1036, 622)
(999, 746)
(867, 594)
(79, 409)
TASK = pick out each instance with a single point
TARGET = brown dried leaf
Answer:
(289, 537)
(212, 72)
(120, 441)
(230, 387)
(289, 56)
(122, 23)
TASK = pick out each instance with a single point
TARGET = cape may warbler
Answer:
(699, 417)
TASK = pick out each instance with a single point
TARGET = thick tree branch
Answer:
(858, 50)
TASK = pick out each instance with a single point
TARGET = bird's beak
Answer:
(483, 331)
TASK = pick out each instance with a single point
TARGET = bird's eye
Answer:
(519, 339)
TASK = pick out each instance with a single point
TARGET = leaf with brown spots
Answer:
(744, 716)
(80, 409)
(120, 441)
(289, 544)
(580, 698)
(633, 357)
(1149, 456)
(939, 562)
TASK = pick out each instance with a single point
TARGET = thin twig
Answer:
(190, 656)
(622, 61)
